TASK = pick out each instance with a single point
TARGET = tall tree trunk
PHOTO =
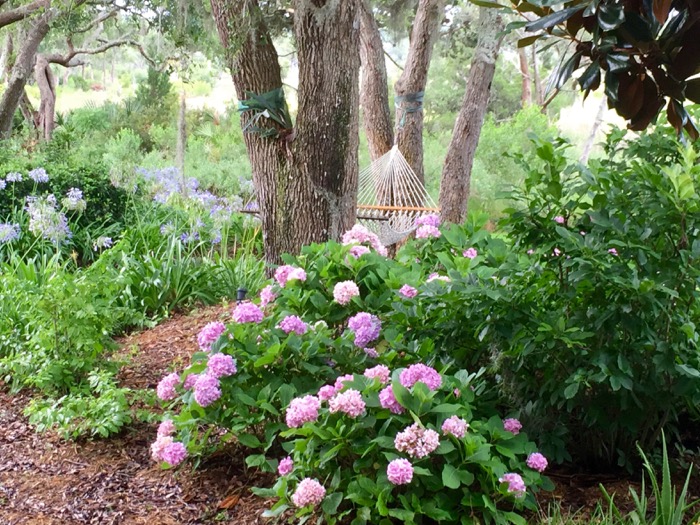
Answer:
(20, 73)
(590, 141)
(539, 89)
(6, 57)
(456, 173)
(526, 98)
(46, 82)
(374, 88)
(306, 178)
(412, 82)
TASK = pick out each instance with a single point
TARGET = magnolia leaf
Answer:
(553, 19)
(529, 40)
(610, 16)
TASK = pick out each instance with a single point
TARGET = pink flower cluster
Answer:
(388, 401)
(358, 251)
(221, 365)
(326, 392)
(349, 402)
(371, 352)
(470, 253)
(559, 219)
(425, 232)
(399, 471)
(247, 313)
(537, 461)
(432, 219)
(512, 425)
(302, 410)
(340, 381)
(166, 387)
(308, 492)
(287, 273)
(417, 441)
(380, 372)
(166, 428)
(293, 323)
(437, 277)
(358, 234)
(285, 467)
(267, 295)
(165, 449)
(209, 334)
(408, 291)
(206, 389)
(613, 251)
(343, 292)
(190, 380)
(366, 328)
(423, 373)
(455, 426)
(516, 485)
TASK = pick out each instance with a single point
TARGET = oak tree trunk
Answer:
(526, 98)
(306, 178)
(456, 173)
(46, 82)
(21, 70)
(374, 88)
(409, 113)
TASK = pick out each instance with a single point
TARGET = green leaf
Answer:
(610, 16)
(248, 440)
(331, 502)
(553, 19)
(571, 390)
(450, 479)
(528, 40)
(486, 3)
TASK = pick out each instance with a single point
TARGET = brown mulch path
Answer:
(45, 480)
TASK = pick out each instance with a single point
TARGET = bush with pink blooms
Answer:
(436, 458)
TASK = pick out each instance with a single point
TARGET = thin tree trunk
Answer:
(28, 111)
(20, 73)
(306, 178)
(456, 173)
(526, 98)
(374, 88)
(47, 90)
(539, 89)
(590, 141)
(6, 57)
(412, 82)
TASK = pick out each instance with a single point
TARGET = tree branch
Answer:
(392, 60)
(104, 16)
(21, 12)
(67, 59)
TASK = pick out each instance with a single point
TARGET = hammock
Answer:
(390, 198)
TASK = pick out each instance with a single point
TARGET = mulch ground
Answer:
(45, 480)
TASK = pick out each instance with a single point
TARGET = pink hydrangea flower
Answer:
(190, 380)
(417, 441)
(559, 219)
(366, 328)
(437, 277)
(267, 295)
(247, 313)
(293, 323)
(166, 428)
(512, 425)
(285, 467)
(516, 485)
(326, 392)
(537, 461)
(287, 273)
(408, 291)
(399, 471)
(340, 381)
(174, 453)
(432, 219)
(220, 365)
(613, 251)
(380, 372)
(158, 446)
(166, 388)
(455, 426)
(343, 292)
(206, 389)
(470, 253)
(420, 372)
(358, 234)
(308, 492)
(371, 352)
(425, 232)
(358, 251)
(302, 410)
(209, 334)
(349, 402)
(388, 400)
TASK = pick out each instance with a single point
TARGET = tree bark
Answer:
(590, 141)
(20, 73)
(20, 13)
(306, 178)
(46, 82)
(539, 89)
(409, 112)
(6, 57)
(374, 88)
(526, 98)
(456, 173)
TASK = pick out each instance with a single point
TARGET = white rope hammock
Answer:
(390, 198)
